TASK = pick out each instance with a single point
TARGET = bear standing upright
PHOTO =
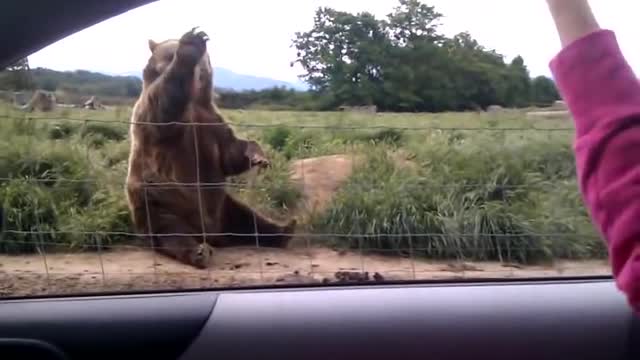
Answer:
(181, 153)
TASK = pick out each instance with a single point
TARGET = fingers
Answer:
(201, 34)
(261, 162)
(192, 47)
(264, 163)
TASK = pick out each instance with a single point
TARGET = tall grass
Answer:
(476, 200)
(465, 193)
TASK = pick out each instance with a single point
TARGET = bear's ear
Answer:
(152, 45)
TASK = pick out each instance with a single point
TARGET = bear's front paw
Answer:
(256, 156)
(192, 47)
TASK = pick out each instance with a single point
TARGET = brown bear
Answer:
(182, 152)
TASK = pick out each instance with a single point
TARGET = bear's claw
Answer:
(192, 46)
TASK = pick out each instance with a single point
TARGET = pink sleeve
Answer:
(603, 95)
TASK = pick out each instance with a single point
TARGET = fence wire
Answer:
(296, 126)
(474, 228)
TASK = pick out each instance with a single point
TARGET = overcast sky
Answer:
(254, 36)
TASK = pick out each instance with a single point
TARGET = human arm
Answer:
(603, 95)
(573, 18)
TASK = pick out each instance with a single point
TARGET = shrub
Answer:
(277, 137)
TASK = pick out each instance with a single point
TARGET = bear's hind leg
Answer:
(244, 222)
(179, 241)
(187, 250)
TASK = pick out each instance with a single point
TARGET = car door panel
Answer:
(583, 320)
(524, 320)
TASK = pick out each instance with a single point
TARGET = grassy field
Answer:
(474, 186)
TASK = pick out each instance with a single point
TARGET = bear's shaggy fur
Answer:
(181, 153)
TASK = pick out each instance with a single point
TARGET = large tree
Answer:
(543, 91)
(403, 63)
(342, 55)
(412, 21)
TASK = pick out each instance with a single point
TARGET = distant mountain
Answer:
(227, 79)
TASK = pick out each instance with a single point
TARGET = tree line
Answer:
(401, 63)
(20, 77)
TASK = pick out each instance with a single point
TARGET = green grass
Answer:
(483, 186)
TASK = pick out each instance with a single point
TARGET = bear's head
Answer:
(162, 55)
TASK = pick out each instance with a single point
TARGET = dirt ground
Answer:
(319, 179)
(143, 270)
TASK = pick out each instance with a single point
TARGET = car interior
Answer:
(570, 317)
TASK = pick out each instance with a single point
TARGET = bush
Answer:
(277, 137)
(301, 144)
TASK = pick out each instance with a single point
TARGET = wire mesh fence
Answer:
(376, 198)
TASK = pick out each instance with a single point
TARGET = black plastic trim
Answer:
(14, 349)
(156, 327)
(30, 25)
